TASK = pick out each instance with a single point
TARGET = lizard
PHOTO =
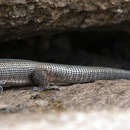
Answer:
(20, 72)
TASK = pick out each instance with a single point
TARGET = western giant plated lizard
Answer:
(15, 72)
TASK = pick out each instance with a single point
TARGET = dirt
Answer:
(100, 95)
(78, 103)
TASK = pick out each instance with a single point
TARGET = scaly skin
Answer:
(15, 72)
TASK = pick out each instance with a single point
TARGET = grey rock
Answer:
(24, 18)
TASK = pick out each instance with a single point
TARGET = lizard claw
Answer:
(44, 89)
(36, 89)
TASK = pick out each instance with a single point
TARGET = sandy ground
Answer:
(108, 100)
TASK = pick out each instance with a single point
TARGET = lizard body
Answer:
(16, 72)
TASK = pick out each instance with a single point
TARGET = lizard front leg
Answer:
(39, 78)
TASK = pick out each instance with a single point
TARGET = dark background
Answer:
(93, 47)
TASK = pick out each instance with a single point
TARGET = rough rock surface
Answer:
(100, 95)
(98, 105)
(23, 18)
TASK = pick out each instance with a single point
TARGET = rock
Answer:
(98, 105)
(97, 96)
(25, 18)
(99, 120)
